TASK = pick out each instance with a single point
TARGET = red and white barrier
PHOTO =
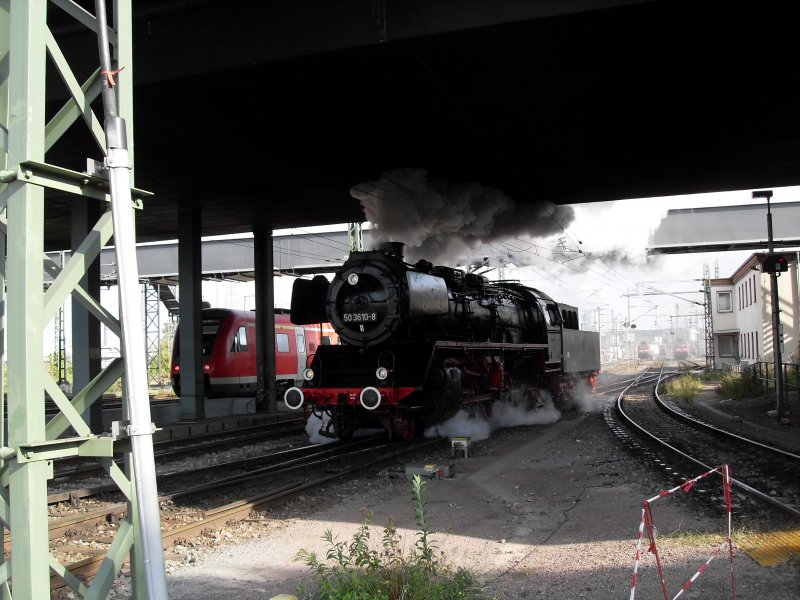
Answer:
(648, 525)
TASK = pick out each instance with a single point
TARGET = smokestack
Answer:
(394, 249)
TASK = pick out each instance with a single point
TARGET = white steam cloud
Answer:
(510, 413)
(586, 400)
(314, 424)
(441, 220)
(518, 410)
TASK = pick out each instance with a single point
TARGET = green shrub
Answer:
(685, 387)
(792, 375)
(737, 387)
(712, 375)
(355, 571)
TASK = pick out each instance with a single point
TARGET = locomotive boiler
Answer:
(419, 342)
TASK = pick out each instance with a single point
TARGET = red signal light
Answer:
(774, 264)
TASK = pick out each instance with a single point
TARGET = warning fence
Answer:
(647, 525)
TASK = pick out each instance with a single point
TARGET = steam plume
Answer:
(510, 413)
(440, 220)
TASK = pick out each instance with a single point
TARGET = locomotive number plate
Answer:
(360, 317)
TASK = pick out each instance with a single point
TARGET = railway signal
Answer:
(774, 263)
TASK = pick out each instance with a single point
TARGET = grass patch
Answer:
(358, 571)
(737, 387)
(712, 375)
(685, 387)
(684, 538)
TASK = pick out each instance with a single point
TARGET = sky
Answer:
(616, 235)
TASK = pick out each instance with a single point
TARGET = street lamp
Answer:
(776, 317)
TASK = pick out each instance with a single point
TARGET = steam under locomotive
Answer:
(419, 342)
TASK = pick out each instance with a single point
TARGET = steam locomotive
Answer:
(419, 342)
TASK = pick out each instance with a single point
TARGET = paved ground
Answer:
(539, 511)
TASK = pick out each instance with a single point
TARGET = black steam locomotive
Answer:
(419, 342)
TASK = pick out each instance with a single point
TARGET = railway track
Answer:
(172, 449)
(79, 536)
(761, 472)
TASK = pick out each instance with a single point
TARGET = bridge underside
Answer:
(726, 228)
(256, 115)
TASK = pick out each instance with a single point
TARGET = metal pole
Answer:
(130, 308)
(776, 315)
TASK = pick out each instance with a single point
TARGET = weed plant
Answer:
(356, 571)
(737, 387)
(685, 387)
(712, 375)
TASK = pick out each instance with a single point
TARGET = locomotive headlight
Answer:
(352, 279)
(381, 373)
(308, 374)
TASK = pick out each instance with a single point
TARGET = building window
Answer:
(724, 302)
(726, 345)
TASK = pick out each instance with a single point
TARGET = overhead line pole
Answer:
(140, 428)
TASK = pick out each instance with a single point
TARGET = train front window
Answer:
(210, 330)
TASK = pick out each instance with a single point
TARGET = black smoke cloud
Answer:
(445, 221)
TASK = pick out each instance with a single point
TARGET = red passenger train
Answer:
(681, 349)
(229, 351)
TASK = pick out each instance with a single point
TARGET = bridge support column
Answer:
(265, 319)
(191, 302)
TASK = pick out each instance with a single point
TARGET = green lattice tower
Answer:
(27, 185)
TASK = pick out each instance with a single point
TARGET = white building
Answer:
(742, 313)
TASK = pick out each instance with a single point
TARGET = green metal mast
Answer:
(27, 182)
(355, 237)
